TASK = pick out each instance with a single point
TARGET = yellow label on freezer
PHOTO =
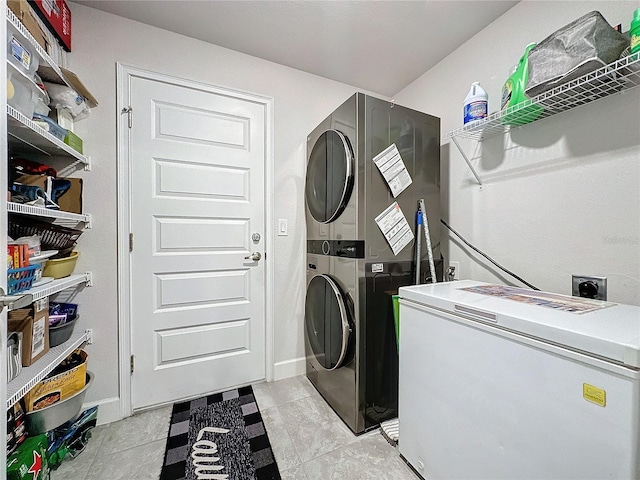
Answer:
(594, 394)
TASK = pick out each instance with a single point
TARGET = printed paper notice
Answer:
(390, 164)
(395, 228)
(543, 299)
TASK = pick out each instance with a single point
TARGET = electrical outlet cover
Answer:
(600, 281)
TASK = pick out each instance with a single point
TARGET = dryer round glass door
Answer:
(327, 322)
(329, 176)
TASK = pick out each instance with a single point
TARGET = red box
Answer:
(57, 16)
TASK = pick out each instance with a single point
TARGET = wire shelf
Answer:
(619, 76)
(36, 293)
(23, 134)
(23, 209)
(30, 376)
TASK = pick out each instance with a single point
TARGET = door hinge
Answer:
(129, 112)
(132, 363)
(131, 242)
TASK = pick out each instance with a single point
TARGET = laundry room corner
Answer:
(556, 198)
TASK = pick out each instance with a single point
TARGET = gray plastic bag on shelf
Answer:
(576, 49)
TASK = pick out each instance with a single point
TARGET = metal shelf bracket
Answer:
(466, 159)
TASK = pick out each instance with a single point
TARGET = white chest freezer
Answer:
(504, 383)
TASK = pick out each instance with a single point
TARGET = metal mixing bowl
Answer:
(53, 416)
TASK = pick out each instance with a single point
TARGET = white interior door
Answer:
(197, 181)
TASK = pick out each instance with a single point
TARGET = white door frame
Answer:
(124, 73)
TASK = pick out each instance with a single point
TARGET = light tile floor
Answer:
(308, 439)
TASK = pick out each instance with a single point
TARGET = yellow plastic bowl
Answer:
(61, 267)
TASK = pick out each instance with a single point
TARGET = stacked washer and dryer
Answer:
(352, 273)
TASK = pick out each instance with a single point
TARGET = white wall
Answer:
(561, 196)
(301, 101)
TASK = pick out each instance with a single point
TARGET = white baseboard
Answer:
(108, 410)
(289, 368)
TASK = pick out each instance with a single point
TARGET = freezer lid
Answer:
(604, 329)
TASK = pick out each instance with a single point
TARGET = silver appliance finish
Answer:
(345, 245)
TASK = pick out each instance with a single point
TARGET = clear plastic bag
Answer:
(66, 97)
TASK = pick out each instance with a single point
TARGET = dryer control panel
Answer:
(337, 248)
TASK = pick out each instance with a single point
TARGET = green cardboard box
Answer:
(73, 141)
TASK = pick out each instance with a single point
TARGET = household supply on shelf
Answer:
(635, 32)
(583, 47)
(33, 324)
(37, 184)
(513, 94)
(475, 104)
(576, 49)
(53, 406)
(61, 267)
(47, 377)
(52, 236)
(37, 84)
(62, 320)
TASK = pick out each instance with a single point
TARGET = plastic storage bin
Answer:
(21, 53)
(60, 334)
(20, 279)
(61, 267)
(22, 93)
(49, 125)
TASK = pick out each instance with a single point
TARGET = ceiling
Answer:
(380, 46)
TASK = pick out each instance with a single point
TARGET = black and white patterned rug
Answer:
(219, 437)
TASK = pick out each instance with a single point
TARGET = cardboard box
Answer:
(26, 15)
(33, 323)
(57, 16)
(42, 181)
(73, 141)
(58, 387)
(48, 75)
(71, 200)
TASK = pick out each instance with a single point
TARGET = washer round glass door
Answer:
(327, 322)
(329, 176)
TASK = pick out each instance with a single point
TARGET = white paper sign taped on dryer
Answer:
(394, 227)
(393, 169)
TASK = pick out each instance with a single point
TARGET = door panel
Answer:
(207, 182)
(197, 161)
(213, 339)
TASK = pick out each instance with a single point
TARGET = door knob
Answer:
(255, 256)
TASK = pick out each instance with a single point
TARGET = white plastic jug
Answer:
(475, 104)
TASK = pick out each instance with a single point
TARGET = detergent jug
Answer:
(513, 94)
(475, 103)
